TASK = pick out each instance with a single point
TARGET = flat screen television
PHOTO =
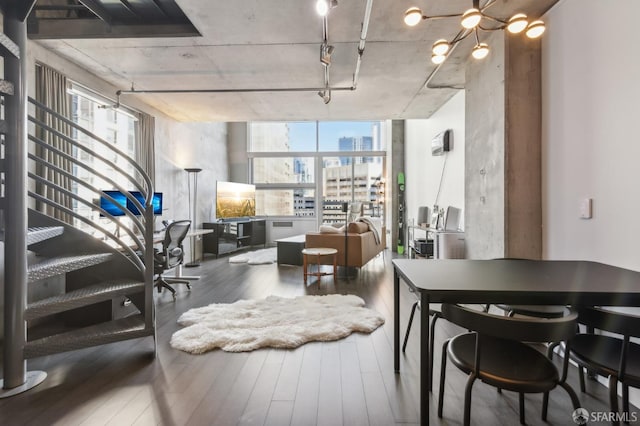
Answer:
(235, 200)
(122, 203)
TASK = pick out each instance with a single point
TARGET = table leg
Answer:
(425, 373)
(396, 321)
(335, 268)
(304, 267)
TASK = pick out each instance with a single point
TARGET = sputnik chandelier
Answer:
(474, 20)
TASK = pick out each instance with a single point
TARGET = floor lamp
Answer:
(192, 181)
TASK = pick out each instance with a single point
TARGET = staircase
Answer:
(65, 288)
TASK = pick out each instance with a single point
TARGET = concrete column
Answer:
(502, 121)
(237, 149)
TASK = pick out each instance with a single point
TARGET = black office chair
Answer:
(494, 353)
(172, 255)
(609, 356)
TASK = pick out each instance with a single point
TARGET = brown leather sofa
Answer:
(361, 244)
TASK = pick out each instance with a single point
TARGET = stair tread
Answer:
(39, 234)
(59, 265)
(98, 334)
(82, 297)
(9, 45)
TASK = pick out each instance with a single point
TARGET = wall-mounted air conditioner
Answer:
(442, 142)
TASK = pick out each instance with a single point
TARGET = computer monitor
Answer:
(156, 202)
(114, 209)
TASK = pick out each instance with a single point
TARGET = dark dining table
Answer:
(523, 282)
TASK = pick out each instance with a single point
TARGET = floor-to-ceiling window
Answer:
(116, 126)
(310, 168)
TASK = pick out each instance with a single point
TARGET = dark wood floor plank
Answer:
(257, 407)
(289, 373)
(354, 406)
(305, 408)
(330, 408)
(279, 413)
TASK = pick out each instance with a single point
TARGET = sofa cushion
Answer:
(357, 228)
(329, 229)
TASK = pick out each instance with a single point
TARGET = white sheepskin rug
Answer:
(275, 322)
(257, 257)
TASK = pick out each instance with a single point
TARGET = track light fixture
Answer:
(325, 54)
(472, 21)
(323, 6)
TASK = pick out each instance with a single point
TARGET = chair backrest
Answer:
(355, 211)
(608, 320)
(172, 244)
(522, 329)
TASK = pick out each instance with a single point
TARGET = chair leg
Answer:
(625, 403)
(613, 398)
(572, 394)
(406, 335)
(521, 404)
(545, 405)
(436, 315)
(583, 388)
(443, 372)
(467, 399)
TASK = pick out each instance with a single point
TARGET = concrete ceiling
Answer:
(257, 44)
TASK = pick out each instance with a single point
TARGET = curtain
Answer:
(145, 146)
(51, 90)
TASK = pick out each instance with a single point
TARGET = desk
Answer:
(532, 282)
(178, 270)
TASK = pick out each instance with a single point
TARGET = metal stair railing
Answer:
(14, 195)
(139, 181)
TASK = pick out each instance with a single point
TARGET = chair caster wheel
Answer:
(189, 286)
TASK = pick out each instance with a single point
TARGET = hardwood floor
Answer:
(347, 382)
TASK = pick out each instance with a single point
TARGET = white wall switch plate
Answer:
(586, 208)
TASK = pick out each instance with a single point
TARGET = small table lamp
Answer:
(192, 180)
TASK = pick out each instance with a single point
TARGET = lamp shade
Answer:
(471, 18)
(412, 16)
(480, 51)
(535, 29)
(517, 23)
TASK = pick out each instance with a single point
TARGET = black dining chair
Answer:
(434, 313)
(615, 357)
(494, 352)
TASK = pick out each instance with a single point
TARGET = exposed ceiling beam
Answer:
(90, 28)
(97, 9)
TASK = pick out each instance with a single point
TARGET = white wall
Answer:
(590, 131)
(590, 140)
(423, 171)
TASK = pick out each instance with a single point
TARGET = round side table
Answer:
(316, 253)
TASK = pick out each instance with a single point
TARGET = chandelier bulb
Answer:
(471, 18)
(517, 23)
(440, 47)
(412, 16)
(480, 51)
(535, 29)
(438, 59)
(322, 7)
